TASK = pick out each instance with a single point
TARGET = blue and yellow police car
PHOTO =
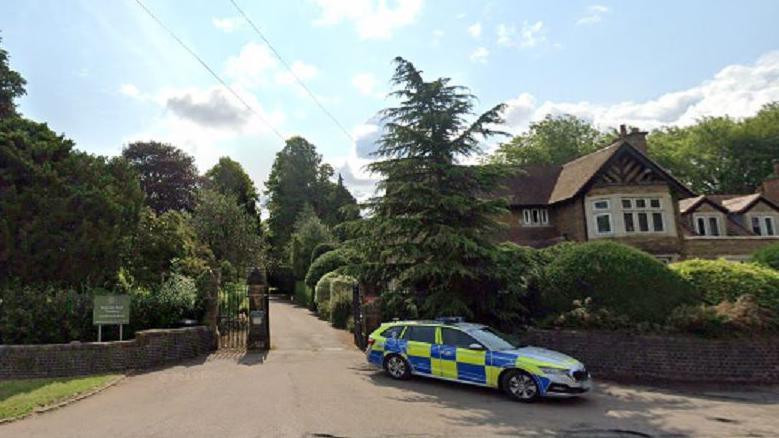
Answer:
(451, 349)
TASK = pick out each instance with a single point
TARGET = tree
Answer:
(168, 175)
(11, 86)
(228, 230)
(228, 178)
(342, 205)
(430, 230)
(309, 232)
(66, 217)
(553, 140)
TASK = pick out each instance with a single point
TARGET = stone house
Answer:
(620, 193)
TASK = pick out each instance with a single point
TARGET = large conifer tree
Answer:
(428, 232)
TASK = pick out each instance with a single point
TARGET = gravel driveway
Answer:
(315, 383)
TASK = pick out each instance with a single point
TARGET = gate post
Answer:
(258, 337)
(210, 285)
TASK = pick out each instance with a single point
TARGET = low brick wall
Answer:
(150, 348)
(626, 357)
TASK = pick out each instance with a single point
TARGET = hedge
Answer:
(617, 277)
(341, 300)
(768, 256)
(303, 295)
(720, 280)
(321, 249)
(322, 294)
(327, 262)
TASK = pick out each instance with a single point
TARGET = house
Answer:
(620, 193)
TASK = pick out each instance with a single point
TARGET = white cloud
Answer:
(227, 24)
(736, 90)
(129, 90)
(371, 18)
(474, 30)
(594, 15)
(252, 66)
(480, 55)
(302, 70)
(366, 84)
(530, 35)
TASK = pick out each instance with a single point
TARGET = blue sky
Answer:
(104, 73)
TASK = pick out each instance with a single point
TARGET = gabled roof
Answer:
(688, 205)
(530, 186)
(577, 173)
(735, 204)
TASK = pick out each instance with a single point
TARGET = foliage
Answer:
(282, 278)
(322, 248)
(173, 301)
(309, 232)
(233, 295)
(21, 397)
(700, 319)
(168, 175)
(720, 154)
(327, 262)
(303, 295)
(228, 230)
(617, 277)
(556, 139)
(11, 86)
(745, 316)
(340, 307)
(720, 280)
(767, 256)
(429, 230)
(228, 178)
(586, 316)
(67, 216)
(322, 294)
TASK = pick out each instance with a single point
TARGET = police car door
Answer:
(419, 344)
(462, 357)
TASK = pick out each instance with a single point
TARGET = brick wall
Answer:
(728, 247)
(621, 356)
(150, 348)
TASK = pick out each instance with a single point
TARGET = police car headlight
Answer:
(554, 371)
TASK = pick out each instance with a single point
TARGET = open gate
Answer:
(233, 320)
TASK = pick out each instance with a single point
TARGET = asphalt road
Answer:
(315, 383)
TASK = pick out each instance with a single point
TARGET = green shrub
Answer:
(173, 301)
(586, 316)
(321, 249)
(720, 280)
(698, 319)
(302, 296)
(768, 256)
(617, 277)
(282, 278)
(322, 294)
(341, 294)
(327, 262)
(509, 293)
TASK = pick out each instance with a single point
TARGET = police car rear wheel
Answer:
(397, 367)
(520, 386)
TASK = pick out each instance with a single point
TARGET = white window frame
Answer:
(595, 204)
(597, 229)
(762, 221)
(634, 211)
(541, 213)
(707, 225)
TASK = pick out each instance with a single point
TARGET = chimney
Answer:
(635, 137)
(770, 186)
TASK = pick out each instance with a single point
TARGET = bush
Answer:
(510, 293)
(720, 280)
(742, 317)
(321, 249)
(302, 296)
(173, 301)
(698, 319)
(282, 278)
(768, 256)
(327, 262)
(322, 294)
(617, 277)
(341, 300)
(586, 316)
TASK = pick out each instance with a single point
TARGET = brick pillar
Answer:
(209, 284)
(259, 327)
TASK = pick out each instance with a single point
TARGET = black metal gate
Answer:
(360, 337)
(233, 321)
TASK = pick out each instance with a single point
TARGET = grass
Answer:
(20, 397)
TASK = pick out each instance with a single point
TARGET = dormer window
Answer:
(708, 225)
(535, 217)
(764, 226)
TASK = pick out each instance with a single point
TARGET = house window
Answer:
(764, 226)
(602, 204)
(708, 225)
(535, 217)
(603, 223)
(642, 215)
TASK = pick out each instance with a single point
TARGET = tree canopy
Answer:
(168, 175)
(228, 178)
(11, 86)
(430, 229)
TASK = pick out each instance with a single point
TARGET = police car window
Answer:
(420, 333)
(392, 332)
(456, 338)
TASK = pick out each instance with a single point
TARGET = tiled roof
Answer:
(530, 186)
(687, 204)
(575, 174)
(735, 203)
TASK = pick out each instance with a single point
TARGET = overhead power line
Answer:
(210, 70)
(292, 72)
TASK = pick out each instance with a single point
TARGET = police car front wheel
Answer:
(520, 386)
(397, 367)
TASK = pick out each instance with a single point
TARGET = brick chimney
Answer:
(770, 186)
(635, 137)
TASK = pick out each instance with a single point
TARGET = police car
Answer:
(451, 349)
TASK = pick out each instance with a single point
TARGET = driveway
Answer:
(315, 383)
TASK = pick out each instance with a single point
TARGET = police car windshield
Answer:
(491, 339)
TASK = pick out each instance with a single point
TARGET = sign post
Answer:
(110, 310)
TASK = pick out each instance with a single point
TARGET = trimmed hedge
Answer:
(303, 295)
(327, 262)
(321, 249)
(341, 300)
(768, 256)
(720, 280)
(322, 294)
(617, 277)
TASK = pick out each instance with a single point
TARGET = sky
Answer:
(104, 73)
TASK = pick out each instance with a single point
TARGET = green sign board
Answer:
(111, 309)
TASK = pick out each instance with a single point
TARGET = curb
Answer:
(66, 402)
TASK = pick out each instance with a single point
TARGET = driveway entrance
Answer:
(315, 383)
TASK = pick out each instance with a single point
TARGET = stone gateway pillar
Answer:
(259, 323)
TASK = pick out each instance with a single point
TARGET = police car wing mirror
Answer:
(476, 346)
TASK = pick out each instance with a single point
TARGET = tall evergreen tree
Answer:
(11, 86)
(228, 178)
(430, 230)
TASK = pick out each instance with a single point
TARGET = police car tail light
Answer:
(371, 341)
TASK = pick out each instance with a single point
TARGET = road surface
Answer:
(315, 383)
